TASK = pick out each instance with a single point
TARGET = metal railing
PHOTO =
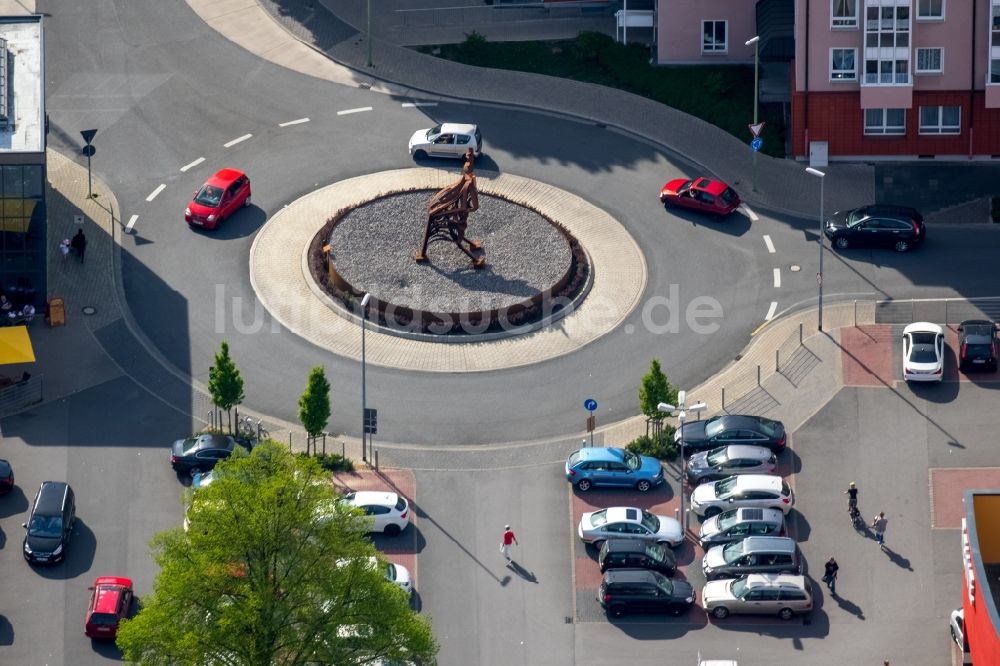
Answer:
(21, 395)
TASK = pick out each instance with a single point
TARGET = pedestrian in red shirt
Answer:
(508, 539)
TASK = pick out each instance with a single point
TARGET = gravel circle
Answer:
(373, 247)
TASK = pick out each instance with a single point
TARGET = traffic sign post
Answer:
(88, 150)
(756, 144)
(591, 406)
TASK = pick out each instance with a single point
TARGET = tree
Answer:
(314, 404)
(225, 383)
(655, 389)
(272, 570)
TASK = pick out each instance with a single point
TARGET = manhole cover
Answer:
(89, 310)
(795, 268)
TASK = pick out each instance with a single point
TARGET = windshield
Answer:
(390, 571)
(685, 185)
(716, 456)
(728, 195)
(190, 445)
(103, 619)
(651, 522)
(725, 487)
(738, 587)
(45, 526)
(209, 196)
(732, 552)
(599, 518)
(433, 131)
(728, 519)
(663, 583)
(656, 551)
(632, 460)
(713, 426)
(923, 354)
(855, 218)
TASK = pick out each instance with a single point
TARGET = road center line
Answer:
(193, 164)
(777, 278)
(131, 223)
(294, 122)
(752, 215)
(152, 195)
(358, 110)
(236, 141)
(771, 310)
(413, 105)
(768, 243)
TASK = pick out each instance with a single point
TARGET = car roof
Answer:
(923, 327)
(214, 441)
(601, 453)
(617, 514)
(457, 128)
(759, 513)
(748, 451)
(710, 185)
(777, 580)
(740, 421)
(224, 177)
(891, 210)
(766, 481)
(628, 576)
(50, 497)
(626, 545)
(375, 497)
(108, 591)
(769, 543)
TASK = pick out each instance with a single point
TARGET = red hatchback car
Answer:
(220, 197)
(109, 605)
(703, 194)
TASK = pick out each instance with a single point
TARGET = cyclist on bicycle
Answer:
(852, 498)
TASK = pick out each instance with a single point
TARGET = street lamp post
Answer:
(682, 410)
(755, 41)
(819, 276)
(364, 401)
(370, 32)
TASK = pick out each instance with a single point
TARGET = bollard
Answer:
(723, 398)
(289, 440)
(777, 361)
(376, 460)
(855, 313)
(800, 331)
(758, 374)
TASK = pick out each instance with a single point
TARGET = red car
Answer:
(704, 194)
(109, 605)
(6, 477)
(220, 197)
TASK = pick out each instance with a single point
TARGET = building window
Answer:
(844, 14)
(930, 60)
(885, 121)
(887, 42)
(940, 120)
(713, 37)
(843, 65)
(995, 42)
(930, 9)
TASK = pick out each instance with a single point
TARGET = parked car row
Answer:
(924, 344)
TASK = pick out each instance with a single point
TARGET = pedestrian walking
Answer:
(879, 523)
(64, 249)
(508, 540)
(830, 575)
(79, 244)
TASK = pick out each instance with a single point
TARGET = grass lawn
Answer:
(719, 94)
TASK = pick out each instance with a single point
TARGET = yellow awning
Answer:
(15, 345)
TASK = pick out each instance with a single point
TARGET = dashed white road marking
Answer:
(294, 122)
(768, 243)
(771, 310)
(777, 278)
(413, 105)
(237, 140)
(357, 110)
(152, 195)
(131, 223)
(193, 164)
(750, 213)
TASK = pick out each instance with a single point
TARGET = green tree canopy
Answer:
(314, 403)
(272, 570)
(225, 383)
(655, 389)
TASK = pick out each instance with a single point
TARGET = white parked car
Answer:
(923, 352)
(396, 574)
(957, 624)
(389, 512)
(756, 490)
(628, 522)
(446, 140)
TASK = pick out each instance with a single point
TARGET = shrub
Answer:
(332, 462)
(588, 45)
(662, 447)
(474, 45)
(995, 209)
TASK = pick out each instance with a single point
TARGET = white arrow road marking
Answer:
(193, 164)
(237, 140)
(777, 278)
(358, 110)
(294, 122)
(771, 310)
(152, 195)
(131, 223)
(768, 243)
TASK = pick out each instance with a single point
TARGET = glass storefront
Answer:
(23, 238)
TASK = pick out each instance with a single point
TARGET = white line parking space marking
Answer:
(193, 164)
(131, 223)
(358, 110)
(768, 243)
(152, 195)
(294, 122)
(752, 215)
(777, 278)
(771, 310)
(236, 141)
(413, 105)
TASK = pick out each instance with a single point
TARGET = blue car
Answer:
(609, 466)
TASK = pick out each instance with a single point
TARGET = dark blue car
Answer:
(609, 466)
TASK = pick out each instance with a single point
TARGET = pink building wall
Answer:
(679, 36)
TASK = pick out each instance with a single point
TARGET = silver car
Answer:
(758, 594)
(446, 140)
(626, 522)
(757, 490)
(728, 460)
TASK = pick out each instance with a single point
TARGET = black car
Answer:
(731, 429)
(50, 526)
(6, 477)
(881, 225)
(637, 591)
(637, 554)
(201, 452)
(977, 342)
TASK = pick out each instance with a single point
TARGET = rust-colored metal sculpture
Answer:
(448, 215)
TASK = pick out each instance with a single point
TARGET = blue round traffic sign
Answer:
(590, 404)
(757, 143)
